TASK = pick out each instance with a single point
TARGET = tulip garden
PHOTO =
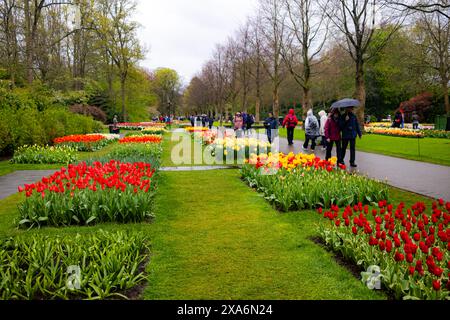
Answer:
(109, 208)
(410, 245)
(296, 182)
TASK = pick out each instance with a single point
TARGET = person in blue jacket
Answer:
(350, 130)
(271, 125)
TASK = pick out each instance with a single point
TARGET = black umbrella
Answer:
(345, 103)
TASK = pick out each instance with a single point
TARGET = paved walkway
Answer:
(10, 182)
(420, 177)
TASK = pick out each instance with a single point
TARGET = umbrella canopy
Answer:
(345, 103)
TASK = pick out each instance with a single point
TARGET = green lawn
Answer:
(215, 238)
(431, 150)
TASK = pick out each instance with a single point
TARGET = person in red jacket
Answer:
(333, 134)
(290, 121)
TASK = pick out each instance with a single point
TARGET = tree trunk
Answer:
(123, 79)
(257, 108)
(276, 102)
(446, 99)
(360, 93)
(28, 42)
(307, 101)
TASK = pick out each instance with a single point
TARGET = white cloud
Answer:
(181, 34)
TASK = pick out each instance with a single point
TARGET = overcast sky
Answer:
(181, 34)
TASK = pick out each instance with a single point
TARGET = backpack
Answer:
(290, 121)
(312, 124)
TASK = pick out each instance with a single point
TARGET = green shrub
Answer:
(21, 122)
(37, 267)
(44, 155)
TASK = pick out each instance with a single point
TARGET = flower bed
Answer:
(154, 130)
(44, 155)
(87, 143)
(407, 125)
(236, 148)
(407, 133)
(37, 267)
(196, 129)
(411, 247)
(141, 139)
(83, 195)
(140, 125)
(295, 182)
(205, 137)
(136, 152)
(107, 136)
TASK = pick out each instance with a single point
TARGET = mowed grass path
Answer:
(432, 150)
(215, 238)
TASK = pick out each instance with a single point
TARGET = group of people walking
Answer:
(242, 123)
(206, 121)
(335, 129)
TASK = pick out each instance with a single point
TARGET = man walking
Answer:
(290, 122)
(350, 129)
(271, 124)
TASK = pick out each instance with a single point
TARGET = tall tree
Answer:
(357, 21)
(436, 47)
(307, 31)
(273, 32)
(119, 39)
(166, 84)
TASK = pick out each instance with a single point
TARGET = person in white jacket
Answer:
(323, 120)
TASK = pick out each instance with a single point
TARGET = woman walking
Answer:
(323, 120)
(333, 134)
(311, 130)
(238, 124)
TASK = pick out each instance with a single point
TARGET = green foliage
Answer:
(22, 122)
(44, 155)
(306, 189)
(137, 152)
(37, 267)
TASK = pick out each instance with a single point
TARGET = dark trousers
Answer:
(269, 135)
(330, 148)
(324, 142)
(345, 143)
(415, 125)
(290, 135)
(313, 144)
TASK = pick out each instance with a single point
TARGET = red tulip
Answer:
(436, 285)
(355, 230)
(399, 257)
(388, 246)
(409, 258)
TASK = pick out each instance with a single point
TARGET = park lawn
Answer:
(204, 245)
(215, 238)
(432, 150)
